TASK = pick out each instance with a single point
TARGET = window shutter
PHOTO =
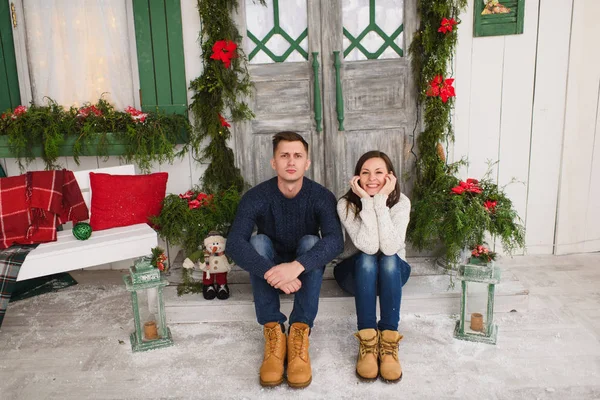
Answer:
(159, 42)
(510, 23)
(10, 96)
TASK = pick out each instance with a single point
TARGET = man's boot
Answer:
(271, 370)
(389, 365)
(366, 364)
(299, 374)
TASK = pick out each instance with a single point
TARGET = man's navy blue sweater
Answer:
(285, 221)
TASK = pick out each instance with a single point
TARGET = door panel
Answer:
(379, 101)
(283, 87)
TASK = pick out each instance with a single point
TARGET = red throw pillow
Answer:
(123, 200)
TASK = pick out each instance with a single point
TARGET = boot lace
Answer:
(367, 345)
(389, 348)
(298, 343)
(273, 340)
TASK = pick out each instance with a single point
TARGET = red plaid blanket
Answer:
(32, 205)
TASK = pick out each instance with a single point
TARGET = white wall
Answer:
(530, 101)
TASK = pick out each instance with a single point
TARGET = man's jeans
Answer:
(364, 276)
(266, 297)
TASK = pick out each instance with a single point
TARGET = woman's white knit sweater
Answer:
(376, 227)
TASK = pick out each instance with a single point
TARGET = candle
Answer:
(477, 322)
(150, 330)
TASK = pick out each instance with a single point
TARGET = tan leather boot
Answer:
(366, 363)
(271, 370)
(299, 373)
(389, 365)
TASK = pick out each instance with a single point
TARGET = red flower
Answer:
(441, 87)
(224, 50)
(447, 91)
(85, 111)
(470, 186)
(490, 205)
(187, 195)
(201, 197)
(3, 116)
(136, 115)
(434, 86)
(20, 110)
(193, 204)
(224, 121)
(446, 25)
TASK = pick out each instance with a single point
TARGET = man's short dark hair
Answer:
(288, 136)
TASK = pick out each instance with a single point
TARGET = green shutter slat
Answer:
(160, 48)
(143, 39)
(159, 41)
(176, 56)
(10, 96)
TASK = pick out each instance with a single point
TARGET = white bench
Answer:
(103, 247)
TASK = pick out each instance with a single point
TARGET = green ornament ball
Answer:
(82, 231)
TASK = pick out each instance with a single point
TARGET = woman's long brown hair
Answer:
(353, 198)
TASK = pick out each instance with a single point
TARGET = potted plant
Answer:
(460, 214)
(50, 131)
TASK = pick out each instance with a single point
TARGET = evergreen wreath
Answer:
(223, 85)
(446, 209)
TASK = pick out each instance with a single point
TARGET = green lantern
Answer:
(146, 286)
(476, 323)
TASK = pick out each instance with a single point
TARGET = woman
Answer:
(375, 215)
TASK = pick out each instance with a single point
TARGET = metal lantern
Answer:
(476, 322)
(146, 286)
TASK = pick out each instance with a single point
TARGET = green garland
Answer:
(442, 212)
(89, 129)
(220, 87)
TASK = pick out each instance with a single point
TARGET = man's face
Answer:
(290, 161)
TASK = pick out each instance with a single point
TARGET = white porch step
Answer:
(427, 291)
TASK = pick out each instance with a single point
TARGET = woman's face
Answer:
(372, 175)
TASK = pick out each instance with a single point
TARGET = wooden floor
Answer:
(74, 344)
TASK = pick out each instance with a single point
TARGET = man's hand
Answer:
(291, 287)
(283, 274)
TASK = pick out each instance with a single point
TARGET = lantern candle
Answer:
(150, 330)
(477, 322)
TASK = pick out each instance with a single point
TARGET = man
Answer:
(287, 254)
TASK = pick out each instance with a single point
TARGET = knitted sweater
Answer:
(285, 221)
(376, 227)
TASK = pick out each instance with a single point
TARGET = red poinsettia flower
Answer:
(85, 111)
(187, 195)
(224, 50)
(202, 197)
(441, 87)
(470, 186)
(193, 204)
(446, 25)
(446, 90)
(490, 205)
(20, 110)
(136, 114)
(224, 122)
(434, 86)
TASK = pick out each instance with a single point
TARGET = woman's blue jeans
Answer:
(266, 297)
(366, 275)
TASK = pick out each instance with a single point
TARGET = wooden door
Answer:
(377, 102)
(279, 40)
(370, 104)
